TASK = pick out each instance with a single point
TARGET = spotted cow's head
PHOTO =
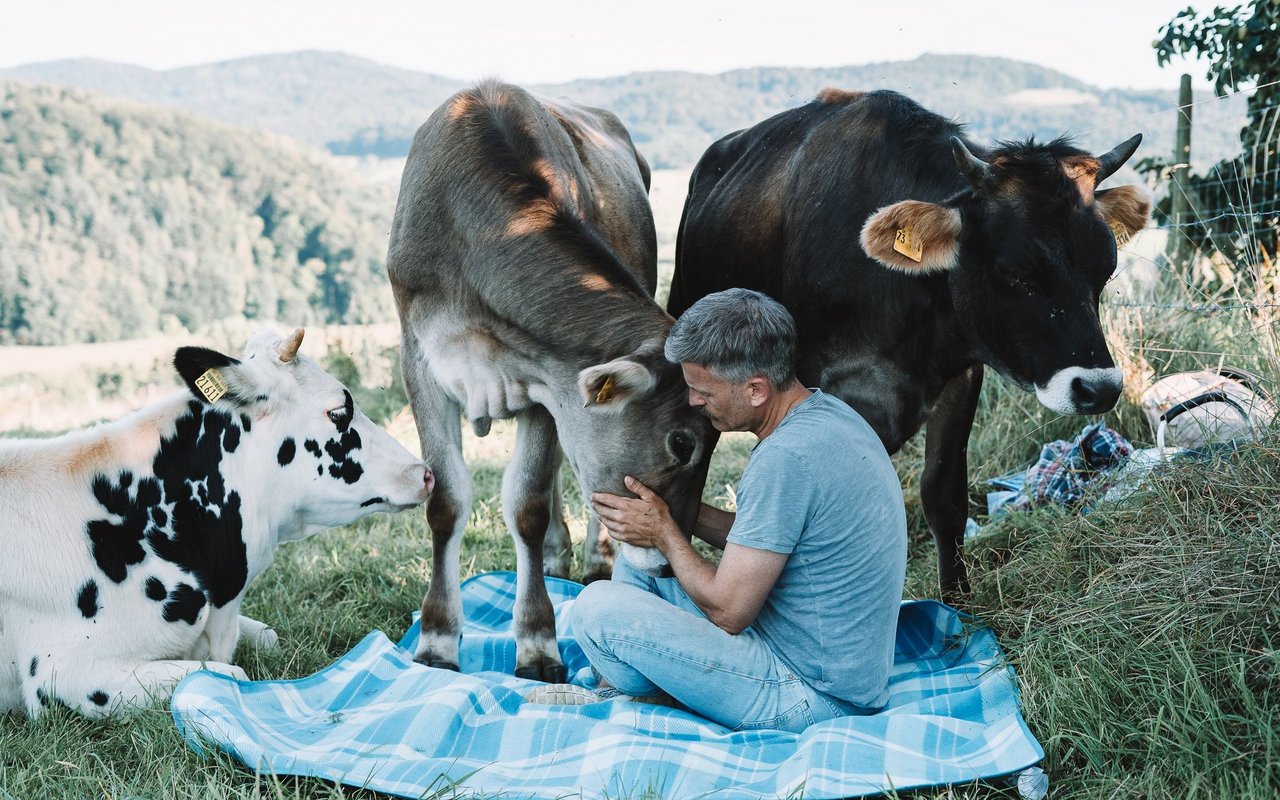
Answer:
(319, 459)
(1027, 250)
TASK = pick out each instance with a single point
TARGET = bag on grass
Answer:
(1208, 406)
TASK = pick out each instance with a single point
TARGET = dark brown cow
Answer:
(523, 260)
(910, 257)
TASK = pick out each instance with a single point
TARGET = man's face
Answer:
(728, 405)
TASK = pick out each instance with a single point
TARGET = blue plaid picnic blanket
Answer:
(376, 719)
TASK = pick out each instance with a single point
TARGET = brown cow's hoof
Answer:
(547, 672)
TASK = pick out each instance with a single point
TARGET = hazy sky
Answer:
(1104, 42)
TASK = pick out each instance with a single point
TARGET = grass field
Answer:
(1146, 634)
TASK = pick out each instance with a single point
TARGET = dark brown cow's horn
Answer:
(1111, 161)
(975, 169)
(289, 350)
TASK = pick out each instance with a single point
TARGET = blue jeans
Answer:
(644, 635)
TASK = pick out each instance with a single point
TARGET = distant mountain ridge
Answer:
(354, 106)
(120, 220)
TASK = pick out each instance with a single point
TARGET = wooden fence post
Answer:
(1179, 250)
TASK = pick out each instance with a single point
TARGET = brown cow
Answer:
(523, 260)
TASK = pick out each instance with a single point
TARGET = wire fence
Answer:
(1228, 260)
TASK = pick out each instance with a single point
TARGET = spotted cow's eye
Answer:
(338, 415)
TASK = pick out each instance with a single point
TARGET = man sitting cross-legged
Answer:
(796, 623)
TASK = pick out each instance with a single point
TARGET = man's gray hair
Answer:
(737, 334)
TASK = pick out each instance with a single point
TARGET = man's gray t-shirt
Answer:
(821, 488)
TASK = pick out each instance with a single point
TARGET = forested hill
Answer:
(119, 220)
(353, 106)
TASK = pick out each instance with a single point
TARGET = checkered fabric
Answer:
(1064, 472)
(376, 719)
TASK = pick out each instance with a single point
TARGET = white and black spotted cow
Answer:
(128, 546)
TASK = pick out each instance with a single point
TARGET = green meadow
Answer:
(1145, 634)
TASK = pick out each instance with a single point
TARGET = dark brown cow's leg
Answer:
(528, 506)
(944, 483)
(438, 418)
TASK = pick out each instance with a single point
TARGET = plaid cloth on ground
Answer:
(1064, 471)
(378, 720)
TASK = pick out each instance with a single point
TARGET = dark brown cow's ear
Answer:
(1125, 208)
(913, 236)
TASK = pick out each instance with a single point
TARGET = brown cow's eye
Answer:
(681, 445)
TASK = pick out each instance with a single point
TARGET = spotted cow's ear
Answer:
(211, 376)
(913, 236)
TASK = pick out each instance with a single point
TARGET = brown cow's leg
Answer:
(527, 506)
(438, 418)
(944, 491)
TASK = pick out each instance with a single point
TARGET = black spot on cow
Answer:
(42, 698)
(245, 423)
(373, 501)
(118, 545)
(87, 600)
(340, 451)
(313, 447)
(35, 665)
(231, 437)
(155, 589)
(287, 451)
(319, 470)
(349, 406)
(204, 536)
(99, 698)
(185, 603)
(207, 540)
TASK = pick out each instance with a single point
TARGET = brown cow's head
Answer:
(1027, 250)
(636, 420)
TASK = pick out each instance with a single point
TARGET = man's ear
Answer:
(759, 389)
(610, 386)
(211, 376)
(913, 236)
(1125, 208)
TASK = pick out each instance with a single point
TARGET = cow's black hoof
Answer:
(556, 674)
(438, 664)
(528, 673)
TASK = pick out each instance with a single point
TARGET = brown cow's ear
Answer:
(610, 386)
(1125, 208)
(913, 236)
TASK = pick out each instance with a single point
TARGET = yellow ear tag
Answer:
(605, 392)
(902, 244)
(1122, 235)
(211, 385)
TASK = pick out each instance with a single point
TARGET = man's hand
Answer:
(643, 520)
(730, 594)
